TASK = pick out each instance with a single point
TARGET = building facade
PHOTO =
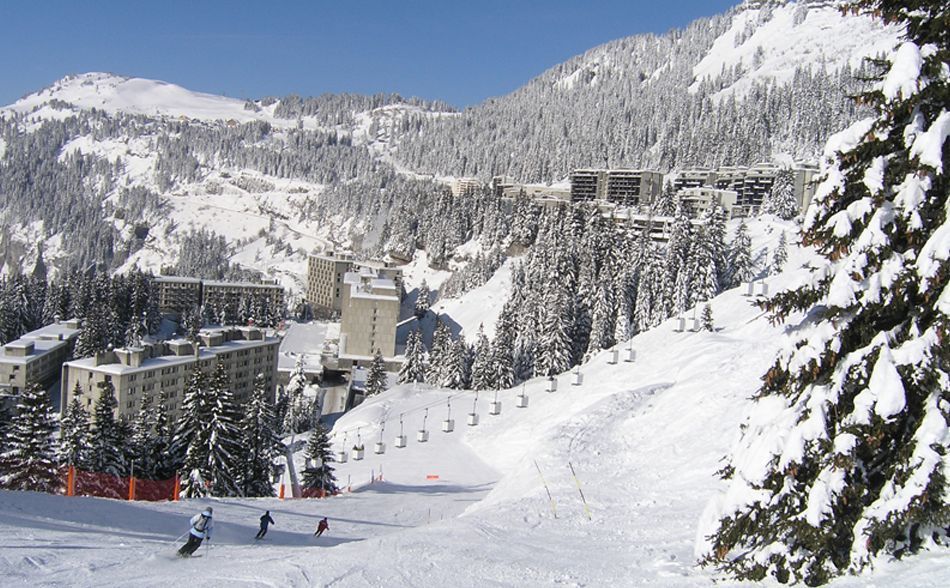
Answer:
(701, 199)
(326, 271)
(370, 313)
(625, 187)
(162, 370)
(36, 357)
(177, 295)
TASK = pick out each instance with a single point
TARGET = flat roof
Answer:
(214, 283)
(176, 279)
(40, 348)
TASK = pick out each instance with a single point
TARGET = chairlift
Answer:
(448, 425)
(696, 326)
(423, 435)
(401, 438)
(614, 358)
(473, 416)
(552, 384)
(578, 377)
(749, 288)
(380, 447)
(763, 289)
(495, 408)
(341, 456)
(522, 401)
(631, 355)
(680, 324)
(357, 452)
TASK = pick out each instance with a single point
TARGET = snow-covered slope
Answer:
(112, 93)
(770, 42)
(470, 508)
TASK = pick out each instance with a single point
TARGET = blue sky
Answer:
(460, 52)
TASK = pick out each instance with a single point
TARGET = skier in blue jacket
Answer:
(201, 526)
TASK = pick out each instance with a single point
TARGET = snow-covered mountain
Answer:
(129, 168)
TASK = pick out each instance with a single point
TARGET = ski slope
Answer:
(645, 438)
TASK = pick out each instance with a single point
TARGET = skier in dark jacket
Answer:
(265, 520)
(201, 526)
(322, 526)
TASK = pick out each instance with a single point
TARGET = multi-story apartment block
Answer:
(756, 185)
(627, 187)
(805, 176)
(162, 370)
(325, 273)
(694, 178)
(177, 295)
(37, 356)
(233, 294)
(370, 314)
(465, 186)
(701, 199)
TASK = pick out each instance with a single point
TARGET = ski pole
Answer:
(176, 540)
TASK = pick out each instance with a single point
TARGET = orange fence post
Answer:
(131, 487)
(71, 481)
(280, 493)
(177, 489)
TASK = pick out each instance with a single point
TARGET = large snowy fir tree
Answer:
(845, 460)
(319, 474)
(29, 457)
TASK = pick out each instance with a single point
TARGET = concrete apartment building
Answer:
(162, 370)
(177, 295)
(232, 294)
(694, 178)
(701, 199)
(465, 186)
(370, 313)
(805, 184)
(626, 187)
(756, 185)
(326, 271)
(37, 356)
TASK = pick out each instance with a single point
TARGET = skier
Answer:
(323, 526)
(201, 525)
(265, 520)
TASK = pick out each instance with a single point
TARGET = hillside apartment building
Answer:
(162, 370)
(326, 272)
(624, 187)
(370, 311)
(37, 356)
(177, 295)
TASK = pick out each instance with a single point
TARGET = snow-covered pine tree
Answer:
(780, 200)
(106, 441)
(554, 349)
(740, 257)
(441, 343)
(707, 318)
(162, 458)
(320, 473)
(857, 466)
(413, 369)
(223, 465)
(422, 300)
(716, 234)
(30, 458)
(259, 443)
(74, 432)
(296, 417)
(483, 374)
(453, 368)
(780, 255)
(376, 376)
(192, 435)
(142, 439)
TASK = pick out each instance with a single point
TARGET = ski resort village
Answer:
(674, 311)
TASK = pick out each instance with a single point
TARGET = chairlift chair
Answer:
(423, 435)
(448, 425)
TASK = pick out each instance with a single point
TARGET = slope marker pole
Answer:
(578, 482)
(546, 489)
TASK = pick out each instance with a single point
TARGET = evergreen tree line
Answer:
(612, 282)
(219, 448)
(116, 311)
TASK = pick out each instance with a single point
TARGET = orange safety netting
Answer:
(83, 483)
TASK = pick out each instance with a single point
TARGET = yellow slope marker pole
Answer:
(546, 489)
(578, 482)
